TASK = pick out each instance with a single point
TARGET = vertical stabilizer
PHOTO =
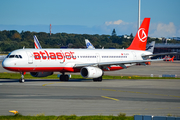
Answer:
(88, 44)
(36, 43)
(140, 40)
(150, 47)
(172, 59)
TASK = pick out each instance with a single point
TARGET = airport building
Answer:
(167, 47)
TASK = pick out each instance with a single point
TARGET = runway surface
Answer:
(110, 97)
(85, 97)
(156, 68)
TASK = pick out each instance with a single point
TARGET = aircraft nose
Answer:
(5, 63)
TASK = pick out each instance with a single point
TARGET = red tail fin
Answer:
(140, 40)
(172, 59)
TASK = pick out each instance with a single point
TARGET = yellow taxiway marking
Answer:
(51, 83)
(13, 111)
(110, 98)
(140, 93)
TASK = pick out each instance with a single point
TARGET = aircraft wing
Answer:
(169, 53)
(121, 63)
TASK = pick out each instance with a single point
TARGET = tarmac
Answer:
(156, 69)
(110, 97)
(158, 97)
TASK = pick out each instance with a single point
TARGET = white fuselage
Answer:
(64, 60)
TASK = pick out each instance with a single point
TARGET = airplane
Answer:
(88, 44)
(36, 43)
(91, 63)
(166, 58)
(150, 47)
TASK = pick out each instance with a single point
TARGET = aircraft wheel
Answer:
(66, 77)
(21, 80)
(99, 79)
(61, 78)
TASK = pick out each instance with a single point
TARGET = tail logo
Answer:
(142, 35)
(88, 44)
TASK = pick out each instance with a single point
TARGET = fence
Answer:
(146, 117)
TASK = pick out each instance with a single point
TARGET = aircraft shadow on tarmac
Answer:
(44, 80)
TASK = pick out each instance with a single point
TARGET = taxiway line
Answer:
(50, 83)
(140, 93)
(110, 98)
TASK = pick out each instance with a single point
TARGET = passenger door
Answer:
(30, 57)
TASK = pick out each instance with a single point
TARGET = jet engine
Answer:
(41, 74)
(91, 72)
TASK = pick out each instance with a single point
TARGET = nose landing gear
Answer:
(21, 80)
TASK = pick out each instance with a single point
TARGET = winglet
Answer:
(36, 43)
(140, 40)
(89, 45)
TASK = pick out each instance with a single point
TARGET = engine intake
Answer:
(41, 74)
(91, 72)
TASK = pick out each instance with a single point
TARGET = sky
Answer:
(90, 16)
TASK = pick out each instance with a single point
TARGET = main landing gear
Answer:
(64, 77)
(21, 80)
(99, 79)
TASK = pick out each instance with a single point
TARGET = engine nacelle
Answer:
(91, 72)
(41, 74)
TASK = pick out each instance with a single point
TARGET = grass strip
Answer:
(54, 76)
(65, 117)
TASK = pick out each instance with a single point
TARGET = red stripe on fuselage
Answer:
(42, 69)
(52, 69)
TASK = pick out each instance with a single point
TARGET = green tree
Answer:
(131, 35)
(114, 32)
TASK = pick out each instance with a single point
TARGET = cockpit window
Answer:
(11, 56)
(8, 55)
(14, 56)
(17, 56)
(20, 56)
